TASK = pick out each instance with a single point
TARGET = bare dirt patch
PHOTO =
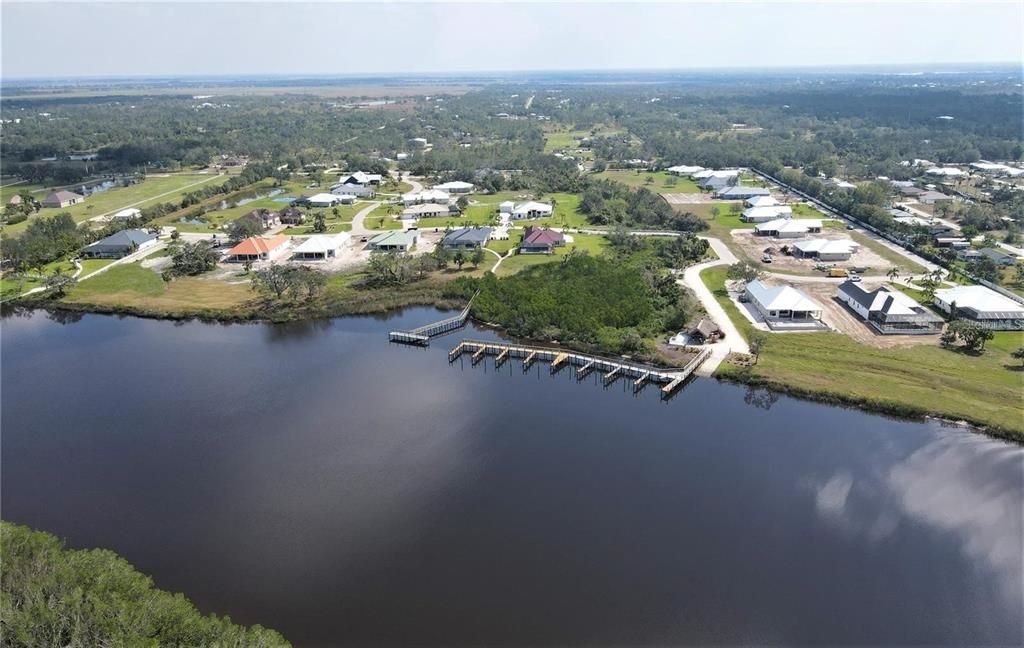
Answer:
(689, 198)
(844, 320)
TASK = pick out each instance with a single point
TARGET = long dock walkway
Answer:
(669, 381)
(421, 335)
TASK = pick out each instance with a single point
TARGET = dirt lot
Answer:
(689, 198)
(754, 246)
(844, 320)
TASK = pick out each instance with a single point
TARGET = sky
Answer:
(48, 39)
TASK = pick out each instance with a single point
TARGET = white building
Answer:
(342, 189)
(765, 214)
(889, 311)
(506, 207)
(321, 247)
(426, 196)
(531, 209)
(330, 199)
(762, 201)
(361, 178)
(982, 305)
(128, 214)
(684, 170)
(788, 227)
(455, 186)
(426, 210)
(825, 249)
(782, 304)
(946, 172)
(713, 173)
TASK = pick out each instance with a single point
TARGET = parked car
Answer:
(766, 258)
(854, 278)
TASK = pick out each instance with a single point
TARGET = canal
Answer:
(320, 481)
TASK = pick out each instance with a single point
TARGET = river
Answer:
(344, 491)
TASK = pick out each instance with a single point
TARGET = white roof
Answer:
(362, 177)
(762, 201)
(945, 171)
(827, 246)
(325, 198)
(800, 225)
(767, 212)
(843, 184)
(712, 173)
(532, 205)
(911, 220)
(979, 298)
(454, 184)
(323, 243)
(781, 297)
(130, 212)
(686, 169)
(507, 203)
(425, 208)
(428, 195)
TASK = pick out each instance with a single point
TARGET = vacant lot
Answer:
(657, 181)
(753, 247)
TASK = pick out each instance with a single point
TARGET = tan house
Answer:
(60, 199)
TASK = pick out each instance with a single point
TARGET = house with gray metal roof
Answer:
(889, 311)
(741, 193)
(120, 244)
(466, 238)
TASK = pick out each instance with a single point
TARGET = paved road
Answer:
(732, 341)
(416, 186)
(358, 229)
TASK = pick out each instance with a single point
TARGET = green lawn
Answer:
(381, 219)
(501, 247)
(125, 278)
(153, 190)
(663, 182)
(945, 382)
(590, 243)
(92, 265)
(7, 192)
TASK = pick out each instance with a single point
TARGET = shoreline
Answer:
(398, 302)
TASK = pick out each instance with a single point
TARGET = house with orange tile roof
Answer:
(257, 248)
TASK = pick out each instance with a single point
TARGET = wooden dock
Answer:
(421, 336)
(641, 375)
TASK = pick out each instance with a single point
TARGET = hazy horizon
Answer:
(121, 40)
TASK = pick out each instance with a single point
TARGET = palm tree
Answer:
(893, 274)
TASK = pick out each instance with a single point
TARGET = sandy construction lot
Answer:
(845, 321)
(754, 247)
(690, 198)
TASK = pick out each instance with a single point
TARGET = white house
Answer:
(765, 214)
(455, 186)
(506, 207)
(361, 178)
(342, 189)
(788, 227)
(825, 249)
(531, 209)
(426, 196)
(946, 172)
(684, 170)
(713, 173)
(762, 201)
(839, 183)
(321, 247)
(128, 214)
(427, 210)
(782, 304)
(982, 305)
(330, 199)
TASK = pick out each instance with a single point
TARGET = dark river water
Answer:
(319, 481)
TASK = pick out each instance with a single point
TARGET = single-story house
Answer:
(788, 227)
(419, 141)
(321, 247)
(426, 196)
(506, 207)
(257, 248)
(825, 249)
(911, 191)
(932, 197)
(946, 172)
(762, 201)
(912, 221)
(765, 214)
(128, 214)
(120, 244)
(684, 170)
(889, 311)
(363, 191)
(466, 238)
(330, 200)
(267, 218)
(955, 242)
(361, 178)
(531, 209)
(982, 305)
(720, 173)
(394, 241)
(998, 256)
(292, 216)
(15, 200)
(429, 210)
(705, 331)
(62, 199)
(782, 304)
(968, 255)
(716, 183)
(455, 186)
(839, 183)
(540, 240)
(741, 193)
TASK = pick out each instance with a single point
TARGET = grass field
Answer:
(381, 219)
(7, 192)
(985, 388)
(590, 243)
(133, 285)
(663, 182)
(153, 190)
(501, 247)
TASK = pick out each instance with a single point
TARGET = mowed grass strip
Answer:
(662, 181)
(985, 388)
